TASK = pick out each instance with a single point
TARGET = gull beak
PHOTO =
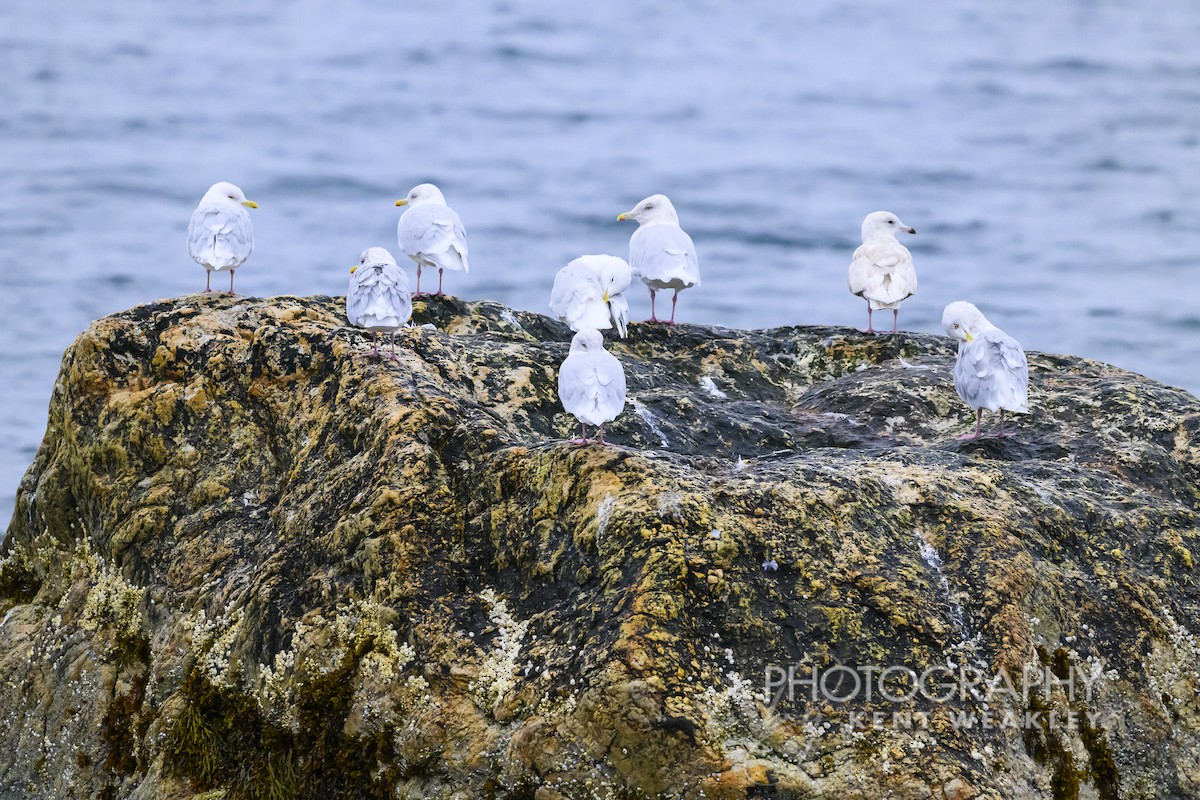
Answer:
(606, 296)
(967, 334)
(910, 230)
(249, 204)
(402, 202)
(623, 217)
(353, 268)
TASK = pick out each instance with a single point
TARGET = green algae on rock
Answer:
(248, 564)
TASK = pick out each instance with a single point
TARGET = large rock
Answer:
(249, 563)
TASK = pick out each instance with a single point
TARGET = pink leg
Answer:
(674, 300)
(869, 329)
(439, 291)
(582, 436)
(393, 356)
(417, 293)
(970, 437)
(652, 317)
(208, 281)
(895, 320)
(1003, 433)
(231, 281)
(600, 435)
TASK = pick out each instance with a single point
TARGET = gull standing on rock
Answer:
(991, 371)
(220, 235)
(431, 234)
(660, 253)
(881, 270)
(588, 293)
(378, 298)
(591, 383)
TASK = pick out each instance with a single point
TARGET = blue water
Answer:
(1047, 153)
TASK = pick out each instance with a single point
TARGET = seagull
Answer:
(881, 270)
(431, 234)
(588, 293)
(220, 235)
(591, 383)
(660, 253)
(991, 371)
(378, 298)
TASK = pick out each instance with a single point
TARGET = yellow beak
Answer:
(967, 334)
(622, 217)
(402, 202)
(606, 297)
(249, 204)
(353, 268)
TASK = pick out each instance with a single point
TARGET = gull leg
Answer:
(970, 437)
(417, 293)
(869, 329)
(600, 435)
(652, 317)
(895, 320)
(231, 281)
(394, 357)
(208, 281)
(674, 300)
(582, 436)
(1003, 433)
(439, 291)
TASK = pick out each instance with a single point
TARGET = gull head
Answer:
(422, 193)
(964, 321)
(225, 192)
(655, 208)
(374, 256)
(883, 223)
(615, 274)
(588, 340)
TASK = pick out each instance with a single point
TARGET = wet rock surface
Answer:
(248, 562)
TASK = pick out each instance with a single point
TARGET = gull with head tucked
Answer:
(660, 253)
(431, 234)
(588, 293)
(591, 383)
(881, 270)
(377, 298)
(220, 235)
(991, 371)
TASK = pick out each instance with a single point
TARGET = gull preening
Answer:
(430, 233)
(220, 235)
(591, 383)
(660, 252)
(991, 372)
(588, 293)
(378, 298)
(881, 270)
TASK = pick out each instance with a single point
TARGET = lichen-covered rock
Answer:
(248, 563)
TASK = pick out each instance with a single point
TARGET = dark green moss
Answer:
(221, 739)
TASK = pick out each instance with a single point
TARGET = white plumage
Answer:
(991, 372)
(591, 382)
(431, 234)
(220, 235)
(881, 270)
(587, 293)
(660, 252)
(377, 298)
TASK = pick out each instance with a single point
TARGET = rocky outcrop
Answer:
(248, 563)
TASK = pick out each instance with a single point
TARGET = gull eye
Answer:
(891, 222)
(648, 206)
(956, 325)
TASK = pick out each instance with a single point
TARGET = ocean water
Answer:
(1048, 155)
